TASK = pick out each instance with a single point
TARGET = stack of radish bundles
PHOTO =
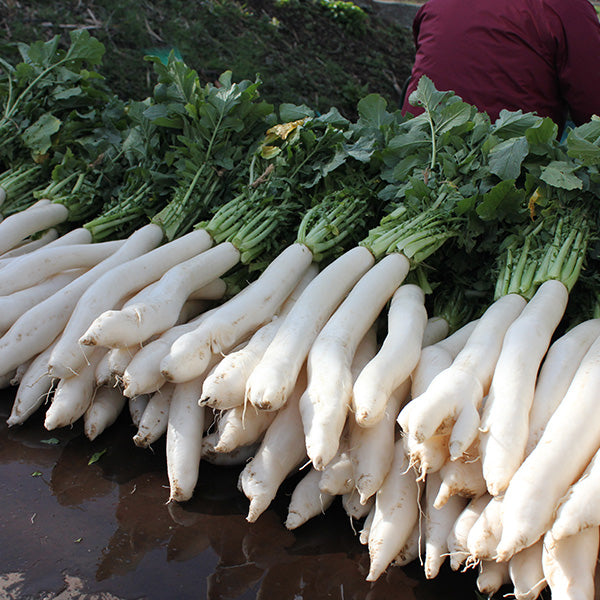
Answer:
(400, 311)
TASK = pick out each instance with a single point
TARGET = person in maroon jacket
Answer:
(539, 56)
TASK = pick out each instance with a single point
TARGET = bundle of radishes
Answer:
(396, 310)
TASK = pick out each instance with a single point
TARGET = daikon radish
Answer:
(33, 391)
(526, 573)
(463, 385)
(363, 534)
(558, 369)
(353, 507)
(102, 375)
(36, 329)
(73, 395)
(396, 512)
(485, 532)
(437, 329)
(142, 375)
(431, 454)
(38, 217)
(505, 418)
(18, 303)
(19, 372)
(280, 453)
(438, 524)
(428, 456)
(274, 377)
(26, 247)
(411, 549)
(137, 405)
(238, 318)
(372, 448)
(103, 412)
(215, 290)
(307, 500)
(157, 311)
(337, 478)
(569, 564)
(113, 287)
(239, 456)
(154, 420)
(396, 359)
(119, 359)
(241, 426)
(325, 402)
(437, 357)
(185, 426)
(461, 477)
(458, 536)
(492, 576)
(225, 386)
(34, 268)
(535, 490)
(578, 509)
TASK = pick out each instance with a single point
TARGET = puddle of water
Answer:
(71, 530)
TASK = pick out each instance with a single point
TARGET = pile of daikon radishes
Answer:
(396, 310)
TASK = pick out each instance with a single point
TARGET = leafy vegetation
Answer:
(322, 53)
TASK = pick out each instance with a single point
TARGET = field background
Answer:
(319, 52)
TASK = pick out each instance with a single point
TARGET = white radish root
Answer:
(396, 512)
(325, 403)
(185, 427)
(280, 453)
(307, 500)
(535, 490)
(570, 564)
(254, 306)
(103, 412)
(274, 377)
(505, 417)
(155, 418)
(113, 287)
(396, 359)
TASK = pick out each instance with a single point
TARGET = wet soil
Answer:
(103, 531)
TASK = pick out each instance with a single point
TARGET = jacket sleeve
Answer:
(578, 59)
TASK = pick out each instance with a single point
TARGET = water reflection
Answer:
(142, 547)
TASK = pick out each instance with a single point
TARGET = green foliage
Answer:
(320, 53)
(347, 13)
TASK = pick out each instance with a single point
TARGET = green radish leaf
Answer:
(293, 112)
(583, 142)
(514, 124)
(339, 158)
(372, 110)
(40, 53)
(38, 137)
(362, 150)
(427, 96)
(541, 135)
(36, 474)
(502, 201)
(453, 116)
(96, 457)
(66, 93)
(408, 143)
(507, 157)
(333, 117)
(561, 174)
(85, 47)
